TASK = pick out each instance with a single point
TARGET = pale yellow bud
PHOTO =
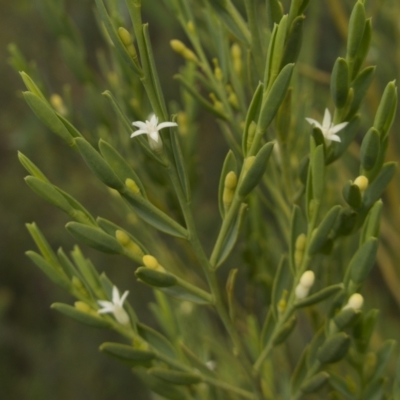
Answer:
(182, 122)
(131, 50)
(152, 263)
(231, 180)
(356, 302)
(301, 291)
(177, 46)
(248, 162)
(301, 242)
(190, 26)
(236, 53)
(362, 182)
(122, 237)
(131, 184)
(58, 104)
(125, 36)
(250, 134)
(298, 257)
(189, 55)
(307, 279)
(82, 306)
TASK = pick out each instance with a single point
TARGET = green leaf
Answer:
(341, 385)
(98, 165)
(320, 296)
(119, 166)
(370, 148)
(297, 227)
(256, 171)
(278, 51)
(320, 236)
(282, 281)
(230, 238)
(356, 30)
(383, 355)
(314, 383)
(364, 329)
(46, 114)
(157, 340)
(318, 173)
(285, 331)
(95, 237)
(48, 192)
(81, 316)
(293, 41)
(360, 86)
(233, 20)
(57, 275)
(252, 114)
(175, 377)
(375, 190)
(387, 110)
(153, 216)
(363, 49)
(230, 164)
(273, 99)
(274, 12)
(340, 82)
(363, 260)
(334, 348)
(372, 223)
(116, 39)
(346, 318)
(42, 244)
(32, 168)
(161, 387)
(352, 195)
(127, 353)
(32, 87)
(155, 278)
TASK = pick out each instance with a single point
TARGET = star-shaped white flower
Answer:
(151, 129)
(328, 129)
(115, 307)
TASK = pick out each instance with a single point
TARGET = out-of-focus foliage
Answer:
(53, 356)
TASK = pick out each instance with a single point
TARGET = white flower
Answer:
(305, 284)
(328, 129)
(115, 307)
(151, 128)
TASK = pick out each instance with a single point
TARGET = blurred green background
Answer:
(44, 355)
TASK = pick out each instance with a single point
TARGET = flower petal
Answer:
(139, 124)
(153, 119)
(335, 138)
(166, 125)
(123, 297)
(115, 295)
(339, 127)
(326, 122)
(312, 121)
(105, 303)
(139, 132)
(155, 136)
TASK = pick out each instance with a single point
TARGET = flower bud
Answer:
(356, 302)
(128, 243)
(131, 184)
(125, 36)
(152, 263)
(236, 53)
(58, 104)
(307, 279)
(301, 291)
(362, 182)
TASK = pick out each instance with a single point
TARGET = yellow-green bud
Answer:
(131, 50)
(177, 46)
(282, 304)
(58, 104)
(152, 263)
(217, 104)
(190, 26)
(231, 180)
(248, 162)
(301, 242)
(250, 134)
(125, 36)
(84, 307)
(122, 237)
(182, 123)
(236, 53)
(362, 182)
(80, 288)
(131, 184)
